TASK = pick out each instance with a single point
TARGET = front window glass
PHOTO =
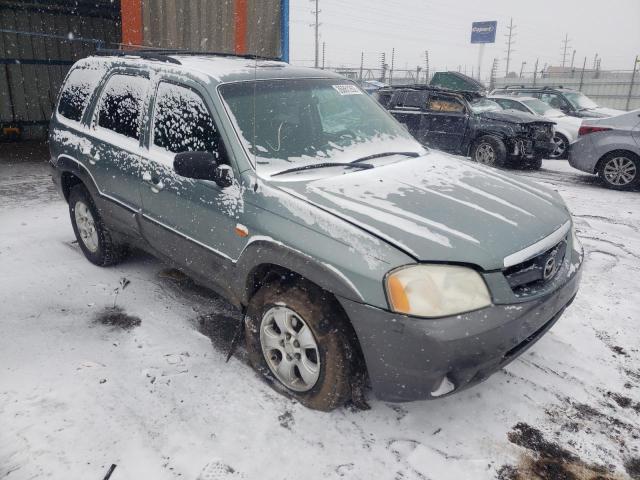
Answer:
(294, 122)
(182, 122)
(580, 101)
(480, 105)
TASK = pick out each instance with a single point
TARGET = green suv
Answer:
(352, 251)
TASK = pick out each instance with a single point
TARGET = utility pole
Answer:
(573, 57)
(361, 64)
(383, 66)
(393, 58)
(535, 72)
(584, 65)
(418, 68)
(494, 72)
(595, 61)
(522, 68)
(323, 53)
(510, 42)
(426, 66)
(633, 77)
(565, 46)
(316, 12)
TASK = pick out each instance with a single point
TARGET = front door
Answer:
(193, 222)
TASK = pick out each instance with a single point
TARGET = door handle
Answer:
(154, 182)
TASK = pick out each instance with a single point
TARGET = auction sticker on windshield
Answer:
(347, 89)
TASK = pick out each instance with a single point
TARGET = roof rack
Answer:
(164, 55)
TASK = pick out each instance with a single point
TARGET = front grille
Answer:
(541, 132)
(537, 271)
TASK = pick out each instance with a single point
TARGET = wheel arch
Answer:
(72, 173)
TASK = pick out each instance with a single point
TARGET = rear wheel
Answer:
(295, 334)
(620, 170)
(560, 146)
(93, 236)
(489, 150)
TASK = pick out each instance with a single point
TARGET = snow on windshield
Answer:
(287, 123)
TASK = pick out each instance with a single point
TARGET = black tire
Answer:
(629, 158)
(488, 143)
(107, 251)
(565, 152)
(319, 311)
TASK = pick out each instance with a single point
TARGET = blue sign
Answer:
(483, 32)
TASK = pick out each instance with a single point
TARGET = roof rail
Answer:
(164, 55)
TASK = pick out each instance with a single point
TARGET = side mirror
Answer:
(202, 166)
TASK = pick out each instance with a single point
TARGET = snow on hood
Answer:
(513, 116)
(440, 208)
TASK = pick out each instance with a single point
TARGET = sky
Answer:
(442, 27)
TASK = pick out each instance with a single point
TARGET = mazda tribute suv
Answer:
(351, 250)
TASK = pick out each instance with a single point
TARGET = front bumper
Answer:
(528, 148)
(410, 358)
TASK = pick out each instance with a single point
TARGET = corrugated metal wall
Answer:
(210, 25)
(28, 90)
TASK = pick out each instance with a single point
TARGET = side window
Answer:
(510, 104)
(444, 104)
(121, 104)
(182, 122)
(414, 100)
(554, 100)
(77, 90)
(384, 98)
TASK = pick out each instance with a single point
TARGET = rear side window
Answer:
(121, 104)
(77, 90)
(182, 122)
(414, 100)
(384, 98)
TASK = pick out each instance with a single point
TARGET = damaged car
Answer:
(468, 124)
(353, 252)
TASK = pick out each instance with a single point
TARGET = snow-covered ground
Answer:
(158, 400)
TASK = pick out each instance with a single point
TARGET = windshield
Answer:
(541, 108)
(294, 122)
(484, 105)
(580, 101)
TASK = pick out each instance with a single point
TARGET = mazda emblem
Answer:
(549, 268)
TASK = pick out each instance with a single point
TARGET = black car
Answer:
(468, 124)
(570, 102)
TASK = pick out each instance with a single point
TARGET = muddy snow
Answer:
(88, 380)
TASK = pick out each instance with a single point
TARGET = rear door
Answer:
(409, 109)
(116, 152)
(448, 118)
(193, 222)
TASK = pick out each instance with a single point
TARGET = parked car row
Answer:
(518, 126)
(352, 252)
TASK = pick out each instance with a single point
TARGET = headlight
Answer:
(436, 290)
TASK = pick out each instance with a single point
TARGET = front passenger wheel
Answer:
(489, 150)
(296, 334)
(93, 236)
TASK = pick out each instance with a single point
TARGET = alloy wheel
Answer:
(86, 226)
(290, 349)
(559, 146)
(485, 154)
(620, 171)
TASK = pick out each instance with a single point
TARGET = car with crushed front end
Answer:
(468, 124)
(352, 251)
(565, 130)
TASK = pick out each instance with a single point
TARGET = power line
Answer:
(510, 42)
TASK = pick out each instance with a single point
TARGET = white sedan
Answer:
(565, 130)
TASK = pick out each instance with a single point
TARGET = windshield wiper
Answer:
(322, 165)
(386, 154)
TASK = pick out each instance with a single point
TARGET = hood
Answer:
(440, 208)
(513, 116)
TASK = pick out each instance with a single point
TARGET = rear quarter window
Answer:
(77, 90)
(121, 104)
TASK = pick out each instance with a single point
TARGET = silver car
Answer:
(610, 148)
